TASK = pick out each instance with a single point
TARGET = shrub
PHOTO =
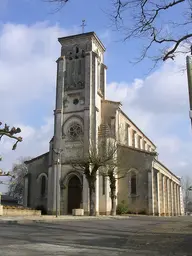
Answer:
(122, 208)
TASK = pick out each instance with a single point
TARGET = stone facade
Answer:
(82, 115)
(36, 183)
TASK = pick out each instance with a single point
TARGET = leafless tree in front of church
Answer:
(16, 184)
(163, 28)
(187, 193)
(100, 155)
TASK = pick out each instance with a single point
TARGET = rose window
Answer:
(74, 131)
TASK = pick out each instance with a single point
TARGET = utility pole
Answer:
(189, 76)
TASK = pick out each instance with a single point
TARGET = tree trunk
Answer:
(113, 193)
(91, 178)
(113, 203)
(92, 199)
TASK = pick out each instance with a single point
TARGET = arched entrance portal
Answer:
(74, 194)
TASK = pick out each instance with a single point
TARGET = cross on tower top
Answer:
(83, 26)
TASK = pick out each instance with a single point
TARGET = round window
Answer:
(74, 131)
(75, 101)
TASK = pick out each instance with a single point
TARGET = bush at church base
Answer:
(122, 208)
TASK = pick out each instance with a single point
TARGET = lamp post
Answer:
(58, 153)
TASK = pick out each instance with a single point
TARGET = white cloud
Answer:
(27, 85)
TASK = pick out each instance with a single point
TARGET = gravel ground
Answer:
(142, 235)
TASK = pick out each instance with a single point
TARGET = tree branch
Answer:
(11, 133)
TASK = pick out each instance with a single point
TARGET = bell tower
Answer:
(81, 82)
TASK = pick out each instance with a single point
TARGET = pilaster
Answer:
(175, 198)
(26, 191)
(85, 195)
(172, 199)
(97, 195)
(153, 191)
(168, 197)
(54, 176)
(107, 196)
(164, 195)
(158, 193)
(179, 200)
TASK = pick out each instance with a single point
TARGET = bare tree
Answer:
(155, 22)
(99, 155)
(16, 184)
(6, 131)
(187, 194)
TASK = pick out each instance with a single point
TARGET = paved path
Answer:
(126, 237)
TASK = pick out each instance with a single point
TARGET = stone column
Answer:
(128, 135)
(159, 194)
(179, 200)
(150, 197)
(176, 199)
(135, 139)
(138, 141)
(172, 199)
(153, 191)
(97, 195)
(163, 194)
(168, 198)
(141, 143)
(107, 197)
(58, 113)
(93, 93)
(103, 79)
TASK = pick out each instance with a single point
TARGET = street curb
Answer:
(29, 221)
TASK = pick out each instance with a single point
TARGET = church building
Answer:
(82, 111)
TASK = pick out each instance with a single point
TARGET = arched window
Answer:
(43, 185)
(133, 183)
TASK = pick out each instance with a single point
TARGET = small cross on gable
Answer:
(83, 26)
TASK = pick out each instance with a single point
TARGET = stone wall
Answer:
(20, 212)
(1, 210)
(37, 167)
(140, 162)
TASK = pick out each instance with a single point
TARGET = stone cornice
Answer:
(57, 111)
(75, 111)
